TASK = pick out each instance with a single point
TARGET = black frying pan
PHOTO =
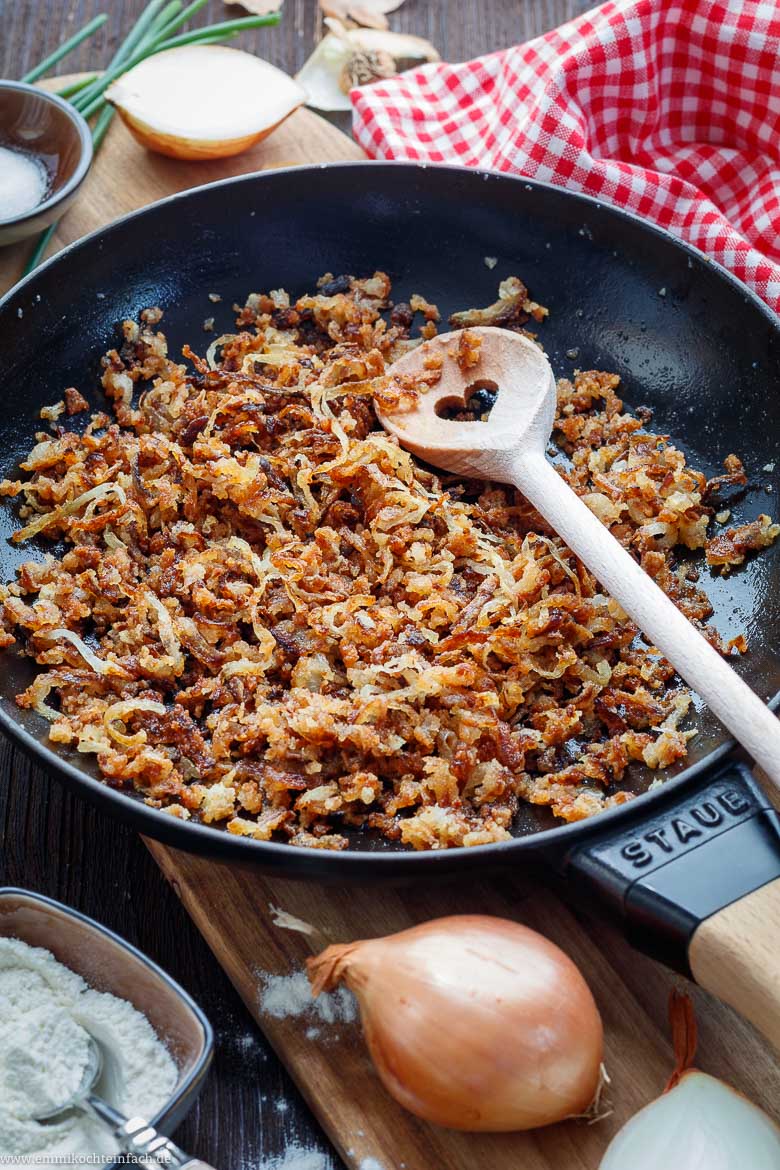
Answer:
(686, 338)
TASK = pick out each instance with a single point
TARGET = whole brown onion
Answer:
(474, 1023)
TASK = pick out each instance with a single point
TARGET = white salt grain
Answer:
(23, 182)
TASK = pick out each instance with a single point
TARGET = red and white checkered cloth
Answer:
(669, 108)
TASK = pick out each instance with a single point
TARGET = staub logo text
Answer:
(698, 822)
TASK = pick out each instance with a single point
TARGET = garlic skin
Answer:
(200, 102)
(321, 75)
(474, 1023)
(700, 1124)
(368, 13)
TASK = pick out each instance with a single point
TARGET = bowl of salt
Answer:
(45, 153)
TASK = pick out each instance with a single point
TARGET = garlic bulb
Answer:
(203, 101)
(699, 1124)
(344, 54)
(365, 67)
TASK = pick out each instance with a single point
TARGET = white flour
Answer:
(43, 1059)
(45, 1009)
(297, 1158)
(290, 995)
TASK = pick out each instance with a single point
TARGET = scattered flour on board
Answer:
(290, 995)
(296, 1158)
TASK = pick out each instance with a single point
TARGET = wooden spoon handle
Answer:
(748, 719)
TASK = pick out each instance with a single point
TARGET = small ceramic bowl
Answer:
(108, 963)
(45, 125)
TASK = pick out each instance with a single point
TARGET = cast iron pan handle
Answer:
(735, 954)
(697, 885)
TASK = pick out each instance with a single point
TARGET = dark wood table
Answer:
(250, 1116)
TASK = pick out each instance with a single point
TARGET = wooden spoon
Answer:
(510, 447)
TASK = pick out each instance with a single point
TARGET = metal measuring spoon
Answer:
(510, 447)
(135, 1135)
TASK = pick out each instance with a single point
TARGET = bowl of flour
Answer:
(64, 978)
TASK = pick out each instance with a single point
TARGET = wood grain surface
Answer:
(251, 1116)
(236, 910)
(734, 954)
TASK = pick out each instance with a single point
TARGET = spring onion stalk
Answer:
(224, 28)
(101, 126)
(186, 14)
(75, 87)
(41, 245)
(65, 48)
(140, 30)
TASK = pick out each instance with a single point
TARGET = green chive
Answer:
(139, 30)
(102, 125)
(225, 28)
(40, 248)
(182, 18)
(68, 91)
(65, 48)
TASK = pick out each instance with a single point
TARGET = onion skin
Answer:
(473, 1023)
(192, 149)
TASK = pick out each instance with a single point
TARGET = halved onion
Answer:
(203, 101)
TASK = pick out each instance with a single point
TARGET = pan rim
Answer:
(204, 839)
(773, 319)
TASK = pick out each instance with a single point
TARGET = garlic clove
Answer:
(320, 76)
(700, 1124)
(344, 54)
(203, 101)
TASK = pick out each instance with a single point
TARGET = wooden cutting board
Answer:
(233, 907)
